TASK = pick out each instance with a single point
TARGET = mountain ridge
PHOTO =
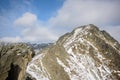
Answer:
(86, 53)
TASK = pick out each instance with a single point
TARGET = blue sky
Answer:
(42, 8)
(10, 10)
(46, 20)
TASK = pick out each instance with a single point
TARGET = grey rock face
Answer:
(14, 58)
(86, 53)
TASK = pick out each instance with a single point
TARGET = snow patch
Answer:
(36, 69)
(77, 31)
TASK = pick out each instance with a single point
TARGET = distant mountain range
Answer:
(38, 46)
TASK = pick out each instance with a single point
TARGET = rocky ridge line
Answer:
(86, 53)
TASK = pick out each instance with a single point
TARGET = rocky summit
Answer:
(14, 58)
(86, 53)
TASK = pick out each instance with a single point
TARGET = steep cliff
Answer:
(86, 53)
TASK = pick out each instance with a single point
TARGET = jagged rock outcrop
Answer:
(14, 58)
(84, 54)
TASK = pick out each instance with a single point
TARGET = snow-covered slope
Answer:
(84, 54)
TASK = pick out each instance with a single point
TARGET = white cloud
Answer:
(79, 12)
(11, 39)
(27, 20)
(33, 29)
(38, 34)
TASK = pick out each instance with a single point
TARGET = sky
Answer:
(43, 21)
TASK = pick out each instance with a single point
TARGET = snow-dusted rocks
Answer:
(84, 54)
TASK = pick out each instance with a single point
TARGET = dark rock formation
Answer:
(14, 58)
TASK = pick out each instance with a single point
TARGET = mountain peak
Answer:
(86, 53)
(85, 29)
